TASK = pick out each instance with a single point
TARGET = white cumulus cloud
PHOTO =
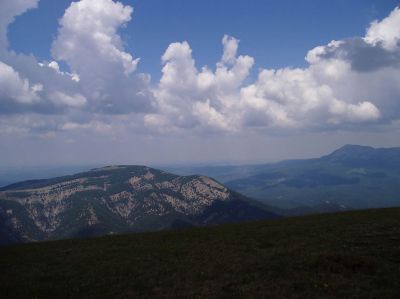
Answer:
(14, 87)
(76, 100)
(385, 32)
(89, 42)
(192, 98)
(101, 79)
(348, 83)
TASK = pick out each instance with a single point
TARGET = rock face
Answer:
(117, 199)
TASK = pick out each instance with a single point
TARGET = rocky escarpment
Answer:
(116, 199)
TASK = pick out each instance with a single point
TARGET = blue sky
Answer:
(276, 33)
(164, 82)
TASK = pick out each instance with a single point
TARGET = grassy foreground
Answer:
(347, 255)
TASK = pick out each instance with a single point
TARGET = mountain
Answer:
(117, 199)
(366, 156)
(341, 255)
(352, 177)
(10, 175)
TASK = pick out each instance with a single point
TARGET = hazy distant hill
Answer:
(10, 175)
(351, 177)
(366, 156)
(117, 199)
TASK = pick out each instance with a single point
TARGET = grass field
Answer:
(347, 255)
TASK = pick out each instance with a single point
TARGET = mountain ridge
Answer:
(118, 199)
(351, 177)
(359, 155)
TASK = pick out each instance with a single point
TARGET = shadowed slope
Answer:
(346, 255)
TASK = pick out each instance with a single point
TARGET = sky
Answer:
(191, 82)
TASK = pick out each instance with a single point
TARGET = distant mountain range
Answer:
(352, 177)
(118, 199)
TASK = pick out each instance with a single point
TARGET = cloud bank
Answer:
(348, 84)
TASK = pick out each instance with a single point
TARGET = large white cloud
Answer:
(189, 98)
(89, 42)
(13, 87)
(349, 83)
(27, 86)
(385, 32)
(89, 32)
(302, 98)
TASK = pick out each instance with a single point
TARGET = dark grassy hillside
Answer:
(348, 255)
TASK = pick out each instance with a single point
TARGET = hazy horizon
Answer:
(16, 173)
